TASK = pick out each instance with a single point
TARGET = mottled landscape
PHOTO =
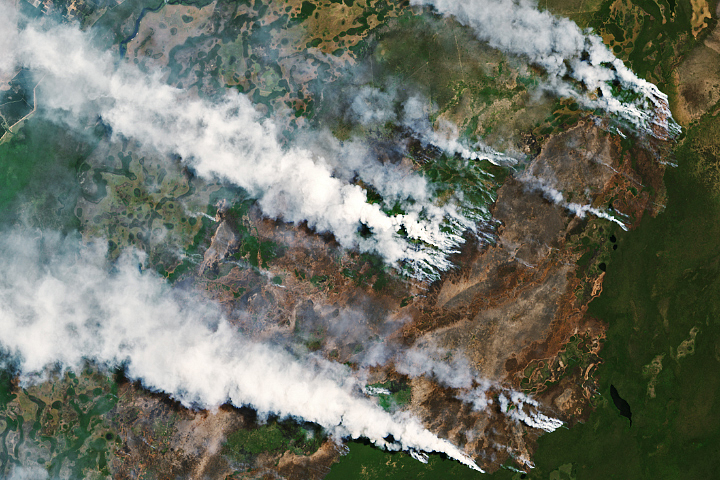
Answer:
(573, 336)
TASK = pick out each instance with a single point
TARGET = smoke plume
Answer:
(564, 51)
(428, 359)
(60, 306)
(228, 139)
(372, 106)
(524, 409)
(552, 194)
(446, 136)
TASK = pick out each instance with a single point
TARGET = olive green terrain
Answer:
(662, 352)
(61, 424)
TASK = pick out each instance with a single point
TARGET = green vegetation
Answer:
(256, 251)
(565, 114)
(63, 423)
(649, 35)
(703, 143)
(400, 395)
(366, 462)
(664, 282)
(595, 243)
(661, 298)
(143, 202)
(432, 60)
(370, 270)
(118, 23)
(276, 436)
(39, 169)
(472, 179)
(357, 23)
(576, 358)
(318, 279)
(188, 263)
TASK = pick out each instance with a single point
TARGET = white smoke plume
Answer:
(516, 405)
(228, 139)
(479, 396)
(524, 409)
(555, 196)
(395, 183)
(559, 46)
(431, 361)
(416, 111)
(373, 106)
(374, 391)
(8, 61)
(60, 306)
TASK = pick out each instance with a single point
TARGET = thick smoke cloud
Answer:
(559, 46)
(60, 306)
(228, 139)
(372, 106)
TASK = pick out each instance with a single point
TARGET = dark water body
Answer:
(621, 403)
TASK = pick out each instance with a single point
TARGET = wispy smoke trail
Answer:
(229, 139)
(59, 305)
(559, 46)
(524, 409)
(374, 106)
(446, 137)
(554, 195)
(429, 360)
(478, 397)
(28, 473)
